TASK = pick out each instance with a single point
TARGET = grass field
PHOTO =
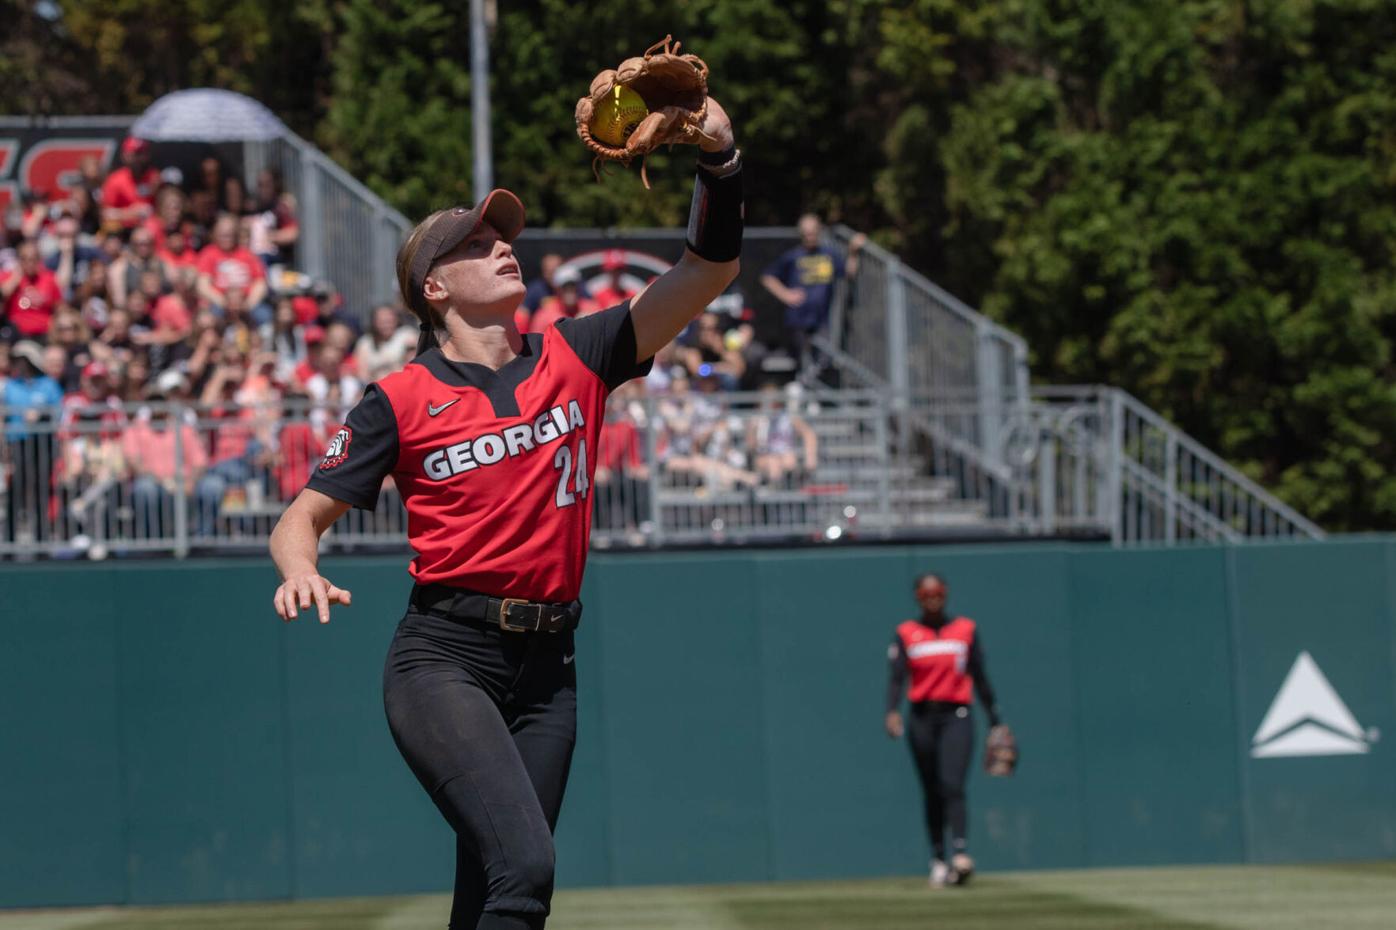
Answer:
(1351, 897)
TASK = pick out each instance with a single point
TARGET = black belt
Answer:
(513, 614)
(938, 707)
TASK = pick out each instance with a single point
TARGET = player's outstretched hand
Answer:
(299, 591)
(716, 128)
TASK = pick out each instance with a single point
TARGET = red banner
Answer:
(45, 160)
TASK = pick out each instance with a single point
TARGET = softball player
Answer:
(944, 659)
(491, 437)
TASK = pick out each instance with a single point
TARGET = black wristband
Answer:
(717, 159)
(715, 217)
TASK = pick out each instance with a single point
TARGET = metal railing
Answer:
(125, 480)
(349, 235)
(1095, 459)
(671, 469)
(903, 333)
(1173, 489)
(1045, 460)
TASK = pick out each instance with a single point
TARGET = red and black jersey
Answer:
(494, 466)
(944, 662)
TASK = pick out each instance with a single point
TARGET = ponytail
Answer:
(426, 315)
(427, 339)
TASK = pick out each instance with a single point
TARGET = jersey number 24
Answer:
(562, 461)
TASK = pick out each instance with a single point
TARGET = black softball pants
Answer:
(487, 719)
(941, 737)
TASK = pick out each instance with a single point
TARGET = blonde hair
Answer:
(405, 257)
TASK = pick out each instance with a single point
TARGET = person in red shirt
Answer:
(172, 314)
(168, 216)
(568, 303)
(300, 444)
(224, 264)
(128, 194)
(611, 290)
(177, 254)
(944, 660)
(31, 293)
(490, 437)
(622, 487)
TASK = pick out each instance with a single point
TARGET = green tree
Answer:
(1194, 201)
(116, 56)
(399, 116)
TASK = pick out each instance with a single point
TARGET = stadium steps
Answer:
(850, 455)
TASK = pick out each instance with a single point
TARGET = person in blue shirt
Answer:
(28, 391)
(803, 278)
(30, 397)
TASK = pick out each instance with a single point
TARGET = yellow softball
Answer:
(617, 115)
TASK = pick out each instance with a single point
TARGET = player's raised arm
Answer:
(661, 98)
(295, 550)
(710, 262)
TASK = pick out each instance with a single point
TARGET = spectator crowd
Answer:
(704, 438)
(141, 297)
(139, 289)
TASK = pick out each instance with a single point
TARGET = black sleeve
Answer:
(605, 342)
(896, 673)
(360, 455)
(980, 676)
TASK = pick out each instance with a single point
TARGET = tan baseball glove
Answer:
(1000, 751)
(675, 90)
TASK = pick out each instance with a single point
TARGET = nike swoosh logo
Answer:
(434, 410)
(567, 660)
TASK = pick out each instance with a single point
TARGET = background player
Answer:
(945, 659)
(491, 437)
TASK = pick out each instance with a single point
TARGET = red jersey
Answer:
(608, 296)
(300, 445)
(551, 310)
(124, 189)
(238, 268)
(31, 306)
(186, 259)
(938, 660)
(494, 466)
(620, 445)
(171, 312)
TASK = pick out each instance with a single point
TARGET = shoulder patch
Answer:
(338, 449)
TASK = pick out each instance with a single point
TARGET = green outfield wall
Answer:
(163, 737)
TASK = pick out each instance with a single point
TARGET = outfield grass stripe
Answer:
(1358, 897)
(53, 920)
(1353, 897)
(417, 913)
(680, 907)
(354, 914)
(904, 904)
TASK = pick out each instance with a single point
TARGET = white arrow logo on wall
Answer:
(1308, 718)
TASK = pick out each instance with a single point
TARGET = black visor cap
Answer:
(503, 211)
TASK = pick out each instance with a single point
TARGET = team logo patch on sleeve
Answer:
(338, 450)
